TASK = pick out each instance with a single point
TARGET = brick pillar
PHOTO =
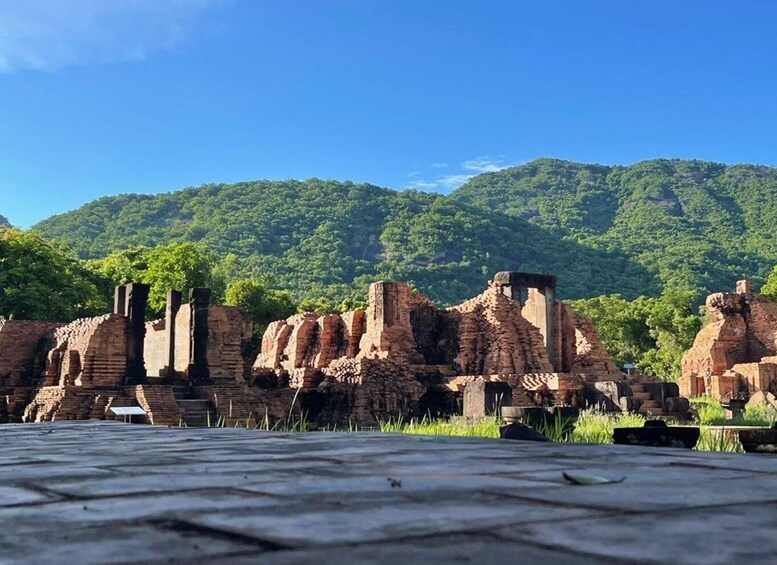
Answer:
(199, 301)
(548, 331)
(171, 310)
(119, 300)
(483, 398)
(135, 310)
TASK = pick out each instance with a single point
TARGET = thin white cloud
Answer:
(484, 165)
(470, 168)
(51, 34)
(414, 173)
(438, 165)
(422, 185)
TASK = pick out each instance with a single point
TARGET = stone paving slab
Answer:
(107, 492)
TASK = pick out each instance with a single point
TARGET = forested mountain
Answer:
(691, 223)
(602, 230)
(4, 223)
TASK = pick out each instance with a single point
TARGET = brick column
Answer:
(171, 311)
(548, 331)
(119, 300)
(199, 301)
(135, 310)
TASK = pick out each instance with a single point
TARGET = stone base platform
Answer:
(106, 492)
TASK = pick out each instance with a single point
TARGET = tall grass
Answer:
(760, 415)
(710, 412)
(708, 409)
(718, 439)
(592, 426)
(485, 427)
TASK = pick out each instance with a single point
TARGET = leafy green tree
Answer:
(321, 305)
(673, 325)
(770, 286)
(262, 304)
(652, 333)
(124, 266)
(177, 266)
(41, 281)
(622, 325)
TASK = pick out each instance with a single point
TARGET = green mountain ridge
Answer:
(601, 229)
(4, 223)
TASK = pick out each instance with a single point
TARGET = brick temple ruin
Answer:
(734, 356)
(514, 344)
(403, 356)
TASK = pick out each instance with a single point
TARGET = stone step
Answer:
(635, 388)
(194, 403)
(200, 417)
(195, 411)
(182, 392)
(642, 395)
(199, 421)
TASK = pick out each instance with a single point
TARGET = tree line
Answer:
(42, 280)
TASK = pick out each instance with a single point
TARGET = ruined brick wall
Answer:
(494, 338)
(755, 377)
(486, 334)
(155, 348)
(229, 342)
(90, 351)
(23, 346)
(183, 343)
(730, 355)
(366, 366)
(354, 326)
(589, 356)
(44, 405)
(236, 403)
(74, 403)
(389, 322)
(761, 318)
(722, 342)
(274, 341)
(367, 391)
(159, 403)
(310, 340)
(303, 343)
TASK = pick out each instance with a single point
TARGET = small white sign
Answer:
(128, 410)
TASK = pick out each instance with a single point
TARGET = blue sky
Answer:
(100, 98)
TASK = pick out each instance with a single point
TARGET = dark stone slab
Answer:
(103, 492)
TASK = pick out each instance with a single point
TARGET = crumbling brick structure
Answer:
(403, 356)
(23, 348)
(83, 369)
(400, 357)
(735, 355)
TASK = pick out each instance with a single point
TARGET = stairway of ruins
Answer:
(195, 411)
(649, 406)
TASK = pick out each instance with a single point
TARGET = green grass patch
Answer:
(592, 426)
(485, 427)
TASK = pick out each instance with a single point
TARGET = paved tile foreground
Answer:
(106, 492)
